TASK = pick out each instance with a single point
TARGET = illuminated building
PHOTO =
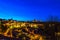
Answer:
(48, 28)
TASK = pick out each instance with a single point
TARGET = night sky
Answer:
(29, 9)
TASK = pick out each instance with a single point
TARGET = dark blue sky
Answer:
(29, 9)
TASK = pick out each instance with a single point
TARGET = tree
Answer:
(53, 19)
